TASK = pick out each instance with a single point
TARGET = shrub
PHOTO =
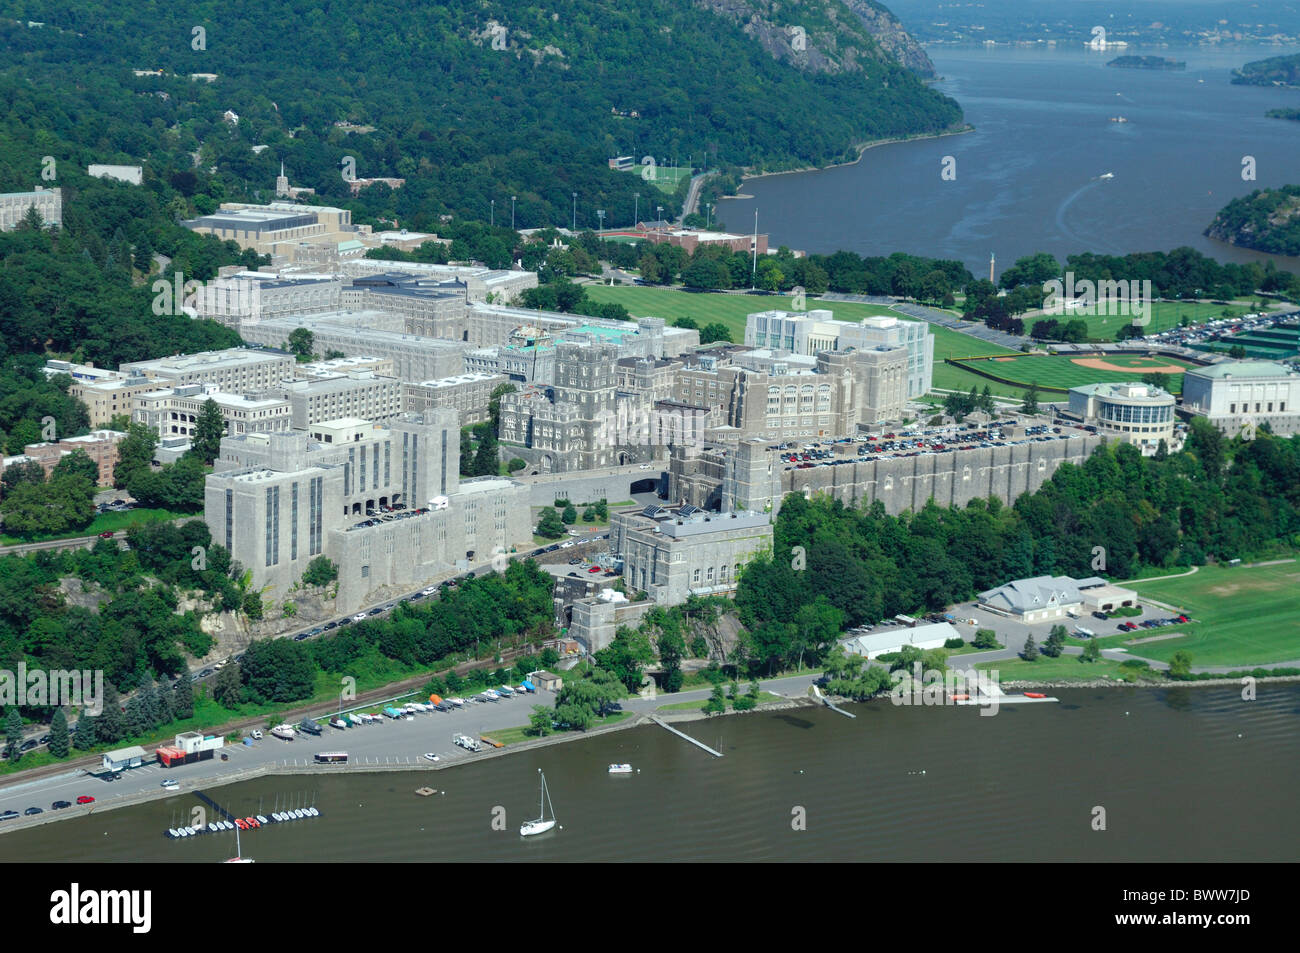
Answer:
(956, 643)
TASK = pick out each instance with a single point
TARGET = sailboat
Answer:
(541, 825)
(237, 859)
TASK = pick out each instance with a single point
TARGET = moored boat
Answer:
(1034, 695)
(620, 769)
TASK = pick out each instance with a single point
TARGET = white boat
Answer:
(542, 824)
(238, 858)
(620, 769)
(1106, 175)
(283, 731)
(261, 819)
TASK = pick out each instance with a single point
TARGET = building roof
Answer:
(1243, 369)
(895, 637)
(1028, 595)
(1135, 391)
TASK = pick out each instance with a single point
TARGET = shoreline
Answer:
(638, 720)
(862, 148)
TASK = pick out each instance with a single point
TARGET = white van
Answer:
(1086, 633)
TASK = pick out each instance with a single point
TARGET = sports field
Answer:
(1104, 322)
(1242, 616)
(1064, 371)
(728, 309)
(665, 178)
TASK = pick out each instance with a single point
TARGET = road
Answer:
(401, 742)
(692, 203)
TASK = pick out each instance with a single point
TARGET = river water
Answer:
(1028, 177)
(1183, 774)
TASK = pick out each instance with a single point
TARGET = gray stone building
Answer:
(277, 501)
(235, 370)
(174, 412)
(1239, 396)
(357, 394)
(672, 553)
(467, 394)
(14, 205)
(752, 475)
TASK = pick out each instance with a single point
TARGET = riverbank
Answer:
(862, 149)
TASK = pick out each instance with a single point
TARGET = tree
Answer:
(626, 656)
(1030, 404)
(1030, 652)
(14, 735)
(321, 571)
(301, 342)
(570, 514)
(59, 741)
(541, 722)
(589, 515)
(78, 464)
(110, 726)
(985, 639)
(228, 689)
(87, 733)
(208, 431)
(1092, 651)
(1180, 665)
(549, 526)
(714, 331)
(717, 702)
(494, 406)
(1055, 642)
(134, 454)
(252, 605)
(516, 464)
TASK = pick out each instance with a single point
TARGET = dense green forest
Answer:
(1218, 499)
(1274, 71)
(467, 102)
(1265, 220)
(1146, 62)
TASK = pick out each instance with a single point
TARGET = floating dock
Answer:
(679, 734)
(827, 702)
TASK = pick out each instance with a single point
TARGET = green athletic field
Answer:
(728, 309)
(1162, 314)
(1241, 616)
(665, 179)
(1062, 371)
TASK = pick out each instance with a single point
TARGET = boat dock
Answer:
(829, 704)
(694, 741)
(1003, 700)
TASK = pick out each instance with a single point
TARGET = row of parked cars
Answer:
(1153, 623)
(56, 806)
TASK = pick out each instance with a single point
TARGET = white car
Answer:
(430, 591)
(256, 734)
(171, 784)
(430, 756)
(644, 466)
(359, 617)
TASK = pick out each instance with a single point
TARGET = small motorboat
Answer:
(261, 819)
(961, 698)
(1034, 695)
(620, 769)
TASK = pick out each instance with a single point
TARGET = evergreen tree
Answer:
(466, 454)
(135, 719)
(717, 703)
(59, 740)
(1055, 642)
(1030, 651)
(1030, 404)
(13, 735)
(110, 727)
(183, 698)
(87, 734)
(570, 515)
(228, 690)
(549, 526)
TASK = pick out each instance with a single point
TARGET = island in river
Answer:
(1146, 62)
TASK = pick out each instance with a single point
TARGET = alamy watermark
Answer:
(1124, 298)
(240, 297)
(58, 688)
(950, 687)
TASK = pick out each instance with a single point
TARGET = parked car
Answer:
(1100, 615)
(171, 784)
(1182, 618)
(107, 534)
(60, 805)
(9, 815)
(594, 569)
(256, 734)
(85, 799)
(430, 756)
(359, 617)
(33, 810)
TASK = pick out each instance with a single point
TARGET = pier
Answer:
(829, 704)
(699, 744)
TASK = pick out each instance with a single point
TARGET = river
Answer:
(1182, 773)
(1028, 178)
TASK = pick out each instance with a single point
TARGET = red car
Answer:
(1182, 618)
(85, 799)
(594, 569)
(107, 534)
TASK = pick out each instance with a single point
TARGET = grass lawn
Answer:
(512, 736)
(728, 309)
(106, 522)
(1065, 668)
(1104, 323)
(1242, 616)
(665, 179)
(763, 699)
(968, 648)
(1064, 371)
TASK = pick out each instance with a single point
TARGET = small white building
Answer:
(131, 174)
(122, 758)
(894, 638)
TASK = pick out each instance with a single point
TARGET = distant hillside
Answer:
(1274, 71)
(1267, 220)
(469, 103)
